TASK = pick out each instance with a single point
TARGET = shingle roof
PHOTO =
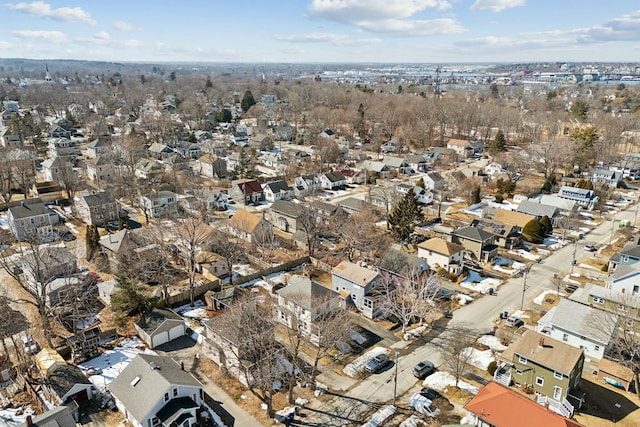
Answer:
(99, 199)
(156, 374)
(354, 273)
(502, 407)
(65, 377)
(27, 210)
(278, 186)
(245, 221)
(537, 209)
(554, 355)
(285, 207)
(441, 246)
(248, 186)
(334, 176)
(154, 318)
(473, 233)
(518, 219)
(581, 320)
(305, 292)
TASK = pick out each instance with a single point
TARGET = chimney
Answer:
(541, 342)
(182, 365)
(29, 421)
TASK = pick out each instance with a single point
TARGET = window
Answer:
(629, 323)
(565, 337)
(522, 360)
(166, 397)
(557, 375)
(539, 381)
(622, 307)
(598, 300)
(636, 289)
(175, 391)
(557, 392)
(596, 348)
(518, 372)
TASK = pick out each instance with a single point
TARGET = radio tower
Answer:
(436, 89)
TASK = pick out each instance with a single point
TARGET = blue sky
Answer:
(323, 30)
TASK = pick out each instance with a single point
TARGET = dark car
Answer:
(377, 364)
(431, 394)
(423, 369)
(67, 236)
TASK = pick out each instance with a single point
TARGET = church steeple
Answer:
(47, 76)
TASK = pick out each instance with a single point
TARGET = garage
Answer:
(159, 326)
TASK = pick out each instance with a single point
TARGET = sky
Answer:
(317, 31)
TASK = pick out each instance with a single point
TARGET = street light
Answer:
(395, 379)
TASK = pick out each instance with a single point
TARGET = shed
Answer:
(159, 326)
(615, 374)
(48, 360)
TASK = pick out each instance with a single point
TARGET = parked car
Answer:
(423, 405)
(29, 345)
(423, 369)
(590, 248)
(431, 394)
(377, 364)
(571, 288)
(513, 321)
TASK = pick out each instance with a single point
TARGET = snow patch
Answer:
(441, 380)
(356, 367)
(540, 298)
(478, 358)
(478, 283)
(463, 299)
(492, 342)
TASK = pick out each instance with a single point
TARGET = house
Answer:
(284, 215)
(517, 219)
(537, 209)
(159, 203)
(333, 181)
(148, 168)
(433, 181)
(582, 196)
(186, 149)
(67, 384)
(565, 207)
(307, 184)
(62, 289)
(397, 164)
(461, 147)
(98, 208)
(354, 177)
(211, 265)
(160, 151)
(402, 264)
(56, 131)
(418, 162)
(630, 254)
(506, 235)
(625, 279)
(56, 169)
(605, 176)
(97, 147)
(551, 368)
(616, 304)
(248, 226)
(493, 169)
(48, 263)
(498, 406)
(62, 147)
(374, 169)
(303, 301)
(84, 344)
(277, 190)
(102, 168)
(439, 253)
(261, 142)
(355, 284)
(390, 147)
(326, 213)
(210, 198)
(9, 140)
(352, 205)
(284, 132)
(424, 197)
(246, 191)
(578, 325)
(158, 326)
(32, 220)
(125, 243)
(157, 391)
(327, 134)
(477, 242)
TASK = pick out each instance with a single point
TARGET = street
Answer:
(477, 317)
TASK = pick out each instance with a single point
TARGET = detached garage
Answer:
(159, 326)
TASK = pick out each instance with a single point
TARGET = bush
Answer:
(493, 365)
(442, 272)
(604, 268)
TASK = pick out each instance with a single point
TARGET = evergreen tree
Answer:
(92, 238)
(420, 183)
(494, 91)
(172, 76)
(499, 143)
(247, 101)
(128, 300)
(208, 84)
(533, 232)
(546, 226)
(405, 216)
(475, 196)
(224, 116)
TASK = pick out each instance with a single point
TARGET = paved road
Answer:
(477, 317)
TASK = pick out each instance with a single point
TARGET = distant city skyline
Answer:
(312, 31)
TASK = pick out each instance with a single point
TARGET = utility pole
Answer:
(613, 226)
(573, 261)
(395, 379)
(524, 285)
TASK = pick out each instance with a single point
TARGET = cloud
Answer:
(334, 39)
(4, 45)
(626, 28)
(496, 5)
(102, 35)
(56, 37)
(122, 26)
(44, 10)
(509, 43)
(386, 16)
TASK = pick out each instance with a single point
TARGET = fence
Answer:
(274, 269)
(185, 296)
(321, 265)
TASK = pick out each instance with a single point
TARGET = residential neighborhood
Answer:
(208, 250)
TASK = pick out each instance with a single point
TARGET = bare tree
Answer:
(229, 248)
(307, 222)
(457, 353)
(191, 235)
(358, 233)
(410, 298)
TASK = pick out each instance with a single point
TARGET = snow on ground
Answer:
(9, 416)
(357, 366)
(412, 421)
(85, 323)
(380, 416)
(196, 312)
(524, 254)
(441, 380)
(415, 332)
(520, 314)
(554, 243)
(492, 342)
(4, 222)
(463, 299)
(476, 282)
(568, 279)
(590, 267)
(112, 362)
(479, 358)
(540, 298)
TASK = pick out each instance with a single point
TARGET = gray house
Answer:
(355, 284)
(32, 220)
(159, 326)
(283, 215)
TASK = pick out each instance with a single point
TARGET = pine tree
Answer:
(499, 143)
(247, 101)
(533, 231)
(405, 216)
(92, 238)
(545, 224)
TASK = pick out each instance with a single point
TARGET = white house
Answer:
(355, 283)
(159, 204)
(578, 325)
(442, 254)
(494, 168)
(625, 279)
(154, 391)
(30, 220)
(333, 180)
(277, 190)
